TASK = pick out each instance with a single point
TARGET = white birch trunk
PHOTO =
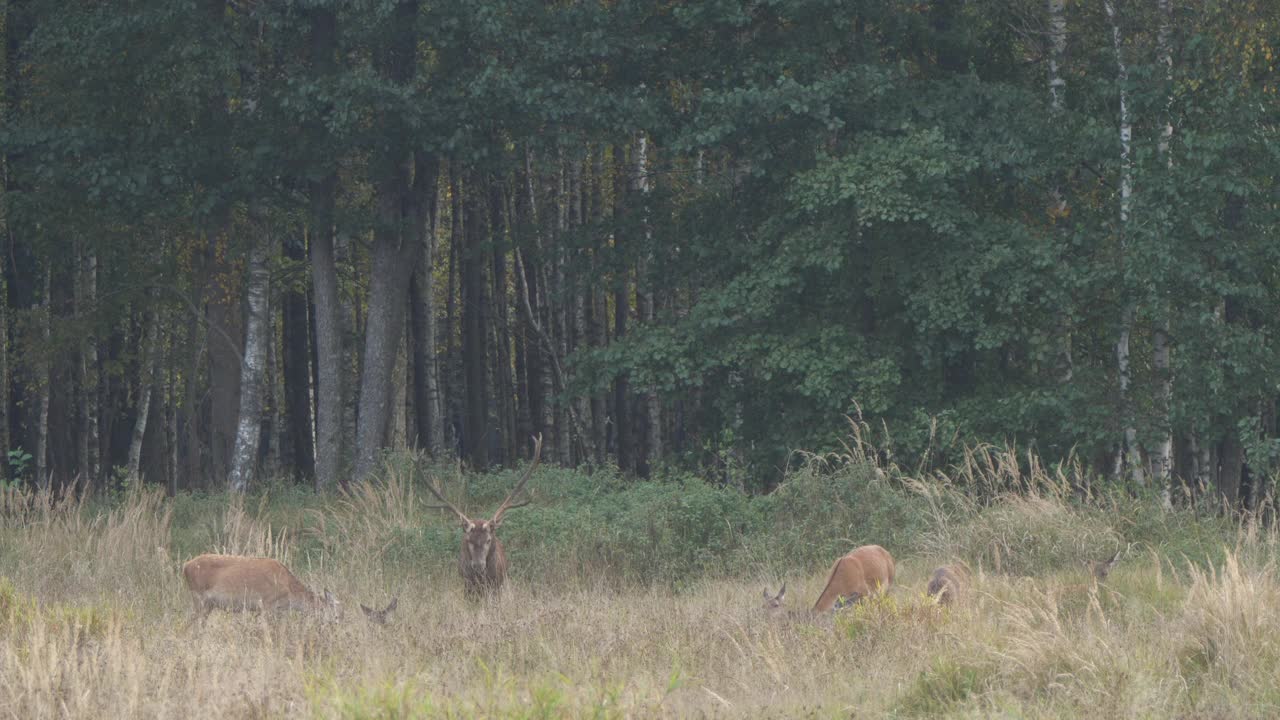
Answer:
(1128, 451)
(248, 430)
(150, 359)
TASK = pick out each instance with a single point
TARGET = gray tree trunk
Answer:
(330, 396)
(296, 371)
(562, 328)
(645, 295)
(86, 298)
(253, 371)
(1162, 464)
(45, 380)
(392, 263)
(426, 376)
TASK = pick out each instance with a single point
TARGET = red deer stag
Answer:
(483, 564)
(239, 583)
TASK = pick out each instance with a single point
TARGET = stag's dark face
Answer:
(477, 540)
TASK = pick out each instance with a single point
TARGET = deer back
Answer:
(866, 570)
(948, 584)
(235, 583)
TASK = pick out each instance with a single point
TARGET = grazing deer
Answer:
(948, 584)
(482, 563)
(239, 583)
(1102, 568)
(773, 603)
(380, 617)
(866, 570)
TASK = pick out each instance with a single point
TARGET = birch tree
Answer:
(252, 368)
(148, 362)
(1128, 449)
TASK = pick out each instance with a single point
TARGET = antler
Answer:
(432, 487)
(506, 504)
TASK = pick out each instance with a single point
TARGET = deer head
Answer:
(773, 603)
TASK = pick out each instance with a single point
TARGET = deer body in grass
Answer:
(948, 584)
(482, 561)
(866, 570)
(232, 582)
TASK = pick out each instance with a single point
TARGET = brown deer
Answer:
(948, 584)
(482, 563)
(855, 576)
(866, 570)
(380, 617)
(235, 583)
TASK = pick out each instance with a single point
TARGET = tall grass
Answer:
(642, 600)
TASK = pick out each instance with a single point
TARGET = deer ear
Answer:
(393, 604)
(329, 598)
(783, 591)
(367, 610)
(767, 596)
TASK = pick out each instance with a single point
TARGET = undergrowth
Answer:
(641, 599)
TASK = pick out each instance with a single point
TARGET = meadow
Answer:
(643, 600)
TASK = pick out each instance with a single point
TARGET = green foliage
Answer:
(19, 459)
(937, 690)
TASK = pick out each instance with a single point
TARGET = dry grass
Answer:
(93, 624)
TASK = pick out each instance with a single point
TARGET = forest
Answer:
(249, 240)
(709, 295)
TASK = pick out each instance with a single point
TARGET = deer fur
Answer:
(235, 583)
(855, 576)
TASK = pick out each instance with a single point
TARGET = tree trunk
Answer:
(1129, 451)
(89, 375)
(597, 322)
(45, 381)
(541, 383)
(1057, 203)
(330, 396)
(562, 330)
(394, 257)
(645, 295)
(422, 304)
(147, 365)
(297, 369)
(171, 421)
(223, 319)
(1163, 462)
(1230, 473)
(621, 309)
(474, 324)
(457, 242)
(502, 325)
(253, 372)
(330, 392)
